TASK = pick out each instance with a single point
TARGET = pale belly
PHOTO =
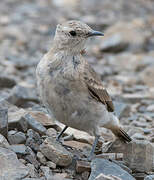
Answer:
(72, 107)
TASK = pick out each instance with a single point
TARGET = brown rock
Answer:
(82, 166)
(43, 118)
(56, 153)
(76, 144)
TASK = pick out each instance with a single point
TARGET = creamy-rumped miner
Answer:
(71, 89)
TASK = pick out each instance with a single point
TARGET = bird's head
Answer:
(72, 35)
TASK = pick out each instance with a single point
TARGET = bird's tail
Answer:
(119, 132)
(114, 125)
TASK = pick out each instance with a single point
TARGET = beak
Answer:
(95, 33)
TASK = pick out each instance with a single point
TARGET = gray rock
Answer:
(4, 122)
(35, 125)
(7, 82)
(34, 140)
(10, 166)
(56, 153)
(51, 165)
(3, 142)
(31, 157)
(149, 177)
(41, 158)
(20, 95)
(15, 137)
(114, 44)
(106, 167)
(138, 155)
(17, 120)
(19, 149)
(47, 172)
(32, 171)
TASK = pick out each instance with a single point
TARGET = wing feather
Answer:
(96, 88)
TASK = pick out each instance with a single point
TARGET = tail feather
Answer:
(123, 135)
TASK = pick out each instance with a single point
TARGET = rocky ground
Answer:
(125, 60)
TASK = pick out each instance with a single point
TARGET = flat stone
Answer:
(80, 136)
(4, 122)
(35, 125)
(56, 153)
(3, 142)
(149, 177)
(106, 167)
(76, 144)
(10, 166)
(82, 166)
(104, 177)
(51, 165)
(137, 154)
(19, 149)
(43, 118)
(16, 137)
(17, 120)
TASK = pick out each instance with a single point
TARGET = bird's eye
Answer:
(73, 33)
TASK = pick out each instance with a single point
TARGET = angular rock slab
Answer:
(137, 154)
(56, 152)
(3, 142)
(10, 166)
(106, 167)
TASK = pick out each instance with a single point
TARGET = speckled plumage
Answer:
(70, 88)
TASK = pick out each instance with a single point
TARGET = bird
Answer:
(70, 88)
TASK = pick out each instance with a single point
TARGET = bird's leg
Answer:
(60, 134)
(93, 148)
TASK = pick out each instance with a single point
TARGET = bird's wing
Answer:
(96, 88)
